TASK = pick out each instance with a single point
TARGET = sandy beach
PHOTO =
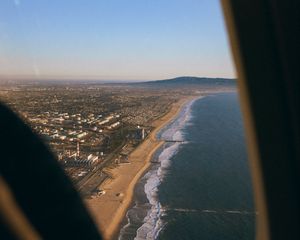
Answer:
(109, 209)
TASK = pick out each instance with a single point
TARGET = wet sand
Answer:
(109, 209)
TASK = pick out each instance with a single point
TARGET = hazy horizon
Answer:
(113, 40)
(79, 80)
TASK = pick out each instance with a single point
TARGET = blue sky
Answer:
(113, 39)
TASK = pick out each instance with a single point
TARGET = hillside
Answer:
(189, 81)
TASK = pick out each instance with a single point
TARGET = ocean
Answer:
(199, 187)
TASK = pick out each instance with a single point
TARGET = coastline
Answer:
(109, 209)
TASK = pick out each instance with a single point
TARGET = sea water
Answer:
(200, 186)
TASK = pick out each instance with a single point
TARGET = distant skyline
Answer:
(113, 39)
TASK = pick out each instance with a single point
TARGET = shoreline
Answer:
(110, 209)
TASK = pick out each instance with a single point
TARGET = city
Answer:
(107, 136)
(90, 128)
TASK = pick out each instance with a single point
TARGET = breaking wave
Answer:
(153, 223)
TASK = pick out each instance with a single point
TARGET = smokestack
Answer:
(78, 150)
(143, 133)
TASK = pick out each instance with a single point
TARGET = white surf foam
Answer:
(153, 224)
(173, 130)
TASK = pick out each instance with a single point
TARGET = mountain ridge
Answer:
(187, 81)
